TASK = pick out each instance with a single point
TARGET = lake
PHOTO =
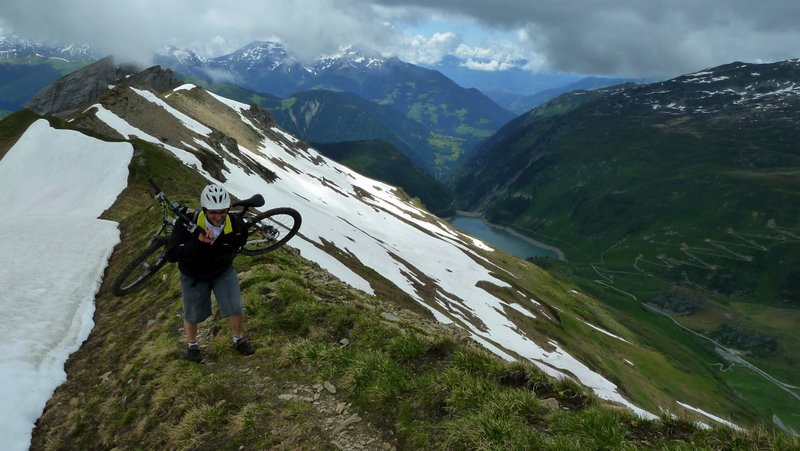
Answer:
(500, 238)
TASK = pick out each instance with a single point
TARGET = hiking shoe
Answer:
(243, 346)
(194, 354)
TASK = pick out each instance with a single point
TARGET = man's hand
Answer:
(206, 237)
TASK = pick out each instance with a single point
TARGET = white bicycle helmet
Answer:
(215, 197)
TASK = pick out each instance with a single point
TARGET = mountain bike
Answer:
(267, 231)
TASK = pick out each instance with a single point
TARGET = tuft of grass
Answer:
(376, 380)
(193, 428)
(601, 428)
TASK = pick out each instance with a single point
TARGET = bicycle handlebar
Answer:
(176, 208)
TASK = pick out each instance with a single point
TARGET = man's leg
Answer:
(193, 352)
(196, 308)
(191, 331)
(236, 325)
(229, 298)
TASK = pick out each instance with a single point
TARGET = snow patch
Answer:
(708, 415)
(60, 250)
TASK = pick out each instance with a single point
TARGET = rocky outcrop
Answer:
(156, 78)
(745, 339)
(80, 88)
(678, 300)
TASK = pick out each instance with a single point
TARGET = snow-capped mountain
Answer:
(258, 55)
(349, 57)
(269, 56)
(263, 66)
(12, 47)
(27, 66)
(184, 57)
(268, 66)
(185, 61)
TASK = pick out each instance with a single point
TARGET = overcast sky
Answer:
(632, 38)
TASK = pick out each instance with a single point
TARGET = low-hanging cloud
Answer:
(635, 37)
(613, 37)
(134, 30)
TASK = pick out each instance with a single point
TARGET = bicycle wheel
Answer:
(270, 230)
(141, 268)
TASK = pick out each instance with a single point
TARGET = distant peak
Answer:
(354, 52)
(270, 45)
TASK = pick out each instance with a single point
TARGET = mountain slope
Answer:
(381, 161)
(368, 235)
(523, 104)
(334, 368)
(462, 116)
(678, 195)
(328, 116)
(373, 225)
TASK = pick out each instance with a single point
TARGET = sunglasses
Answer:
(217, 212)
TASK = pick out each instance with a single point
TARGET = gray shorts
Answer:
(197, 296)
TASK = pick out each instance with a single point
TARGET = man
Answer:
(206, 265)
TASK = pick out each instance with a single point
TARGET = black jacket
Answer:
(203, 261)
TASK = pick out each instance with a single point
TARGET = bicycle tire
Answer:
(141, 268)
(285, 220)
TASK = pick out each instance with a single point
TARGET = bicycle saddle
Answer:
(254, 201)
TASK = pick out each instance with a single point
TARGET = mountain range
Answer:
(424, 114)
(448, 120)
(453, 119)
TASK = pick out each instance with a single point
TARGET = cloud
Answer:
(487, 66)
(419, 49)
(613, 37)
(635, 37)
